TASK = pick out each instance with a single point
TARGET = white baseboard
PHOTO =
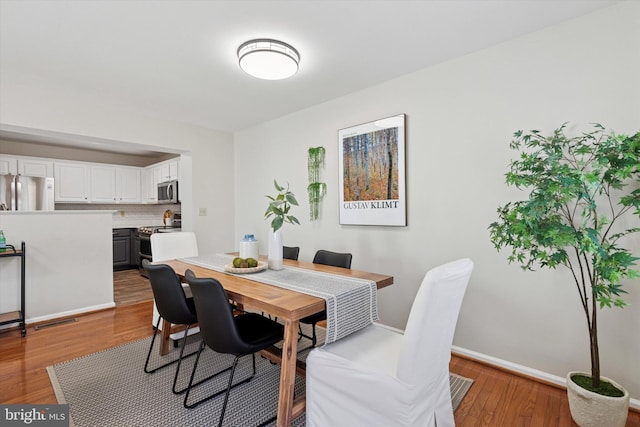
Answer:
(70, 313)
(39, 319)
(524, 370)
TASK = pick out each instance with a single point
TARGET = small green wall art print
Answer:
(372, 173)
(316, 189)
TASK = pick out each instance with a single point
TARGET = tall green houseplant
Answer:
(580, 189)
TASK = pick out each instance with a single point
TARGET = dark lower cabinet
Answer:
(135, 247)
(121, 248)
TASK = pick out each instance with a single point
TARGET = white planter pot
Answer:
(589, 409)
(275, 249)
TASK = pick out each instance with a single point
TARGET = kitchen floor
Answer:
(129, 287)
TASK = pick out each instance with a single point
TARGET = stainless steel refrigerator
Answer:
(26, 193)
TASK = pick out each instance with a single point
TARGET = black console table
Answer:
(16, 316)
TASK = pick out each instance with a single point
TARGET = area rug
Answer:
(109, 388)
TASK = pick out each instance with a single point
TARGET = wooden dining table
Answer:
(289, 307)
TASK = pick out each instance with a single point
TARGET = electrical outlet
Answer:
(202, 211)
(121, 213)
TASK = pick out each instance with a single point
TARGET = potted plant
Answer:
(580, 189)
(279, 207)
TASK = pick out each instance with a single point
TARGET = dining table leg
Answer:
(288, 373)
(164, 340)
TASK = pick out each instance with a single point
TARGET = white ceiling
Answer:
(176, 60)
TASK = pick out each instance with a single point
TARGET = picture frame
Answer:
(372, 173)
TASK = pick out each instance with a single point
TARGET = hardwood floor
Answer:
(497, 398)
(23, 361)
(129, 287)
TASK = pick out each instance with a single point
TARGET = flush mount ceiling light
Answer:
(268, 59)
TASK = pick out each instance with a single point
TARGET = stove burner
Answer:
(150, 229)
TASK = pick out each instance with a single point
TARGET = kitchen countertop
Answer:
(116, 223)
(138, 225)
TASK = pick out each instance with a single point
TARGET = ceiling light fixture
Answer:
(268, 59)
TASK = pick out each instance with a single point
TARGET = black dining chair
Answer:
(335, 259)
(173, 306)
(222, 332)
(290, 252)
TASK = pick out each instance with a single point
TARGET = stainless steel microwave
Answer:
(168, 192)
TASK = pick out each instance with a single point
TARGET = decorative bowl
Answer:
(231, 269)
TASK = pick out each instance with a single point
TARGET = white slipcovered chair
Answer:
(380, 376)
(168, 246)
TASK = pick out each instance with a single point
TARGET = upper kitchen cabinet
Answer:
(71, 182)
(150, 179)
(115, 184)
(128, 184)
(26, 166)
(103, 184)
(35, 167)
(86, 182)
(168, 170)
(8, 166)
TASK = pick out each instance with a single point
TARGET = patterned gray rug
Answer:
(109, 388)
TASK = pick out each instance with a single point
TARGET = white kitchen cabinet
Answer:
(8, 165)
(26, 166)
(103, 184)
(169, 171)
(85, 182)
(128, 185)
(159, 175)
(71, 182)
(114, 184)
(35, 167)
(149, 184)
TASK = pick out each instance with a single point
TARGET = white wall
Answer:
(68, 263)
(461, 116)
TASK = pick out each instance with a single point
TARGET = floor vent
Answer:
(55, 323)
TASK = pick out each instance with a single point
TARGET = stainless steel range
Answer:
(144, 236)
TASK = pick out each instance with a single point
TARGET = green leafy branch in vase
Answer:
(279, 207)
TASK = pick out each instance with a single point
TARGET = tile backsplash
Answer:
(126, 215)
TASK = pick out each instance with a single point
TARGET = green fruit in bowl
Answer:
(237, 261)
(252, 262)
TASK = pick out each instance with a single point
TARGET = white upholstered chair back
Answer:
(426, 345)
(167, 246)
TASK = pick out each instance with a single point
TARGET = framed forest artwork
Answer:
(372, 173)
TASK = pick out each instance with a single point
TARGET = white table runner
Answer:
(351, 303)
